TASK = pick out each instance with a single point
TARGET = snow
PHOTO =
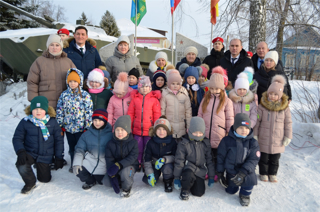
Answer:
(297, 190)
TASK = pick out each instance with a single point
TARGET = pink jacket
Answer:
(118, 107)
(245, 105)
(216, 122)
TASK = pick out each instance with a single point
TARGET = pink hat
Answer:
(218, 78)
(277, 85)
(121, 84)
(96, 75)
(174, 76)
(144, 81)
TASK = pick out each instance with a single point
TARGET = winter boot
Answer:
(168, 185)
(273, 178)
(27, 189)
(71, 169)
(244, 200)
(125, 193)
(88, 186)
(264, 178)
(184, 195)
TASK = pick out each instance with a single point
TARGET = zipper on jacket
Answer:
(122, 108)
(98, 153)
(211, 118)
(268, 115)
(142, 117)
(241, 107)
(121, 149)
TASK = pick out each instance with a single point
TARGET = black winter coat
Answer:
(124, 152)
(264, 80)
(238, 67)
(213, 60)
(239, 154)
(197, 62)
(255, 62)
(29, 137)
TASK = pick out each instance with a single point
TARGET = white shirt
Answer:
(84, 48)
(237, 58)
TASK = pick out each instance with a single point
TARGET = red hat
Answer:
(249, 53)
(217, 39)
(63, 31)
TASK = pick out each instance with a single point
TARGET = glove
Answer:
(151, 180)
(210, 183)
(159, 163)
(114, 169)
(58, 163)
(222, 180)
(22, 157)
(177, 184)
(255, 137)
(286, 141)
(238, 179)
(76, 169)
(115, 184)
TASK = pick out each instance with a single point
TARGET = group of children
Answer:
(173, 126)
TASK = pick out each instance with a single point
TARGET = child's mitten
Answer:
(115, 184)
(76, 169)
(58, 163)
(222, 179)
(238, 179)
(286, 141)
(159, 163)
(151, 180)
(22, 157)
(114, 169)
(177, 184)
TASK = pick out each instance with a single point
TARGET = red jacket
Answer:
(144, 111)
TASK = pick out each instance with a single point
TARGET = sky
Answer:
(195, 22)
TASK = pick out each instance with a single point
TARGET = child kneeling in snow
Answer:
(238, 154)
(193, 161)
(159, 154)
(122, 157)
(89, 163)
(38, 138)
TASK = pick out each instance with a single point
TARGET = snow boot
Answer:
(244, 200)
(264, 178)
(184, 195)
(125, 193)
(168, 185)
(273, 178)
(71, 169)
(27, 189)
(88, 186)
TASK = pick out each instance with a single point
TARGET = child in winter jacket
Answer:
(120, 101)
(249, 71)
(89, 163)
(74, 109)
(196, 94)
(159, 80)
(217, 110)
(121, 156)
(159, 154)
(144, 110)
(37, 139)
(243, 98)
(238, 155)
(175, 105)
(273, 130)
(134, 75)
(193, 161)
(97, 87)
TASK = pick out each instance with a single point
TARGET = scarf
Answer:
(239, 136)
(40, 123)
(95, 91)
(135, 87)
(165, 140)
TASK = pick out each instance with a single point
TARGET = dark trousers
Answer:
(189, 181)
(43, 172)
(269, 164)
(245, 190)
(88, 178)
(214, 153)
(167, 173)
(72, 141)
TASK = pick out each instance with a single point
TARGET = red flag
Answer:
(213, 11)
(174, 4)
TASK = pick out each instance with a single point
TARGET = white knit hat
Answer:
(123, 38)
(191, 49)
(162, 55)
(242, 82)
(54, 39)
(273, 55)
(96, 75)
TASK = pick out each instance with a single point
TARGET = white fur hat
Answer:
(54, 39)
(191, 49)
(162, 55)
(123, 38)
(96, 75)
(242, 82)
(273, 55)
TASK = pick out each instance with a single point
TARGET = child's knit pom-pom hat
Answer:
(121, 84)
(218, 78)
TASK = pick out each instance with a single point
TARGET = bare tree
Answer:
(257, 31)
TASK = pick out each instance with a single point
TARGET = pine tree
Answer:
(84, 18)
(109, 25)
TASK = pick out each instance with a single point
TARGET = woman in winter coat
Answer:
(217, 53)
(273, 130)
(48, 72)
(269, 69)
(160, 63)
(120, 101)
(122, 59)
(175, 105)
(89, 163)
(190, 57)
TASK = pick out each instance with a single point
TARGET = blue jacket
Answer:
(29, 137)
(90, 149)
(239, 154)
(90, 60)
(74, 111)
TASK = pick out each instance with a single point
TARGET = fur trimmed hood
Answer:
(153, 66)
(274, 106)
(51, 111)
(246, 99)
(67, 42)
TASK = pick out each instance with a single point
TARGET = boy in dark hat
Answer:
(133, 78)
(238, 155)
(38, 138)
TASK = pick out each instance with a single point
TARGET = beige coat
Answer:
(47, 77)
(177, 109)
(274, 123)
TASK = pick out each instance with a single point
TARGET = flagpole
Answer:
(135, 31)
(211, 36)
(172, 41)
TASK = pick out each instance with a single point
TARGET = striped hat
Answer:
(101, 114)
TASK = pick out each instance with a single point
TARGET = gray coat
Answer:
(195, 156)
(122, 63)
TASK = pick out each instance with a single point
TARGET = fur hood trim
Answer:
(51, 111)
(67, 42)
(274, 106)
(153, 66)
(246, 99)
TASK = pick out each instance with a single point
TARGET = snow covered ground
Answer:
(298, 188)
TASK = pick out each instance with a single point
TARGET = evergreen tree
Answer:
(84, 18)
(109, 25)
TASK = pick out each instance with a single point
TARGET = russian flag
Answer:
(174, 4)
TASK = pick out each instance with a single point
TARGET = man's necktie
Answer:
(81, 49)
